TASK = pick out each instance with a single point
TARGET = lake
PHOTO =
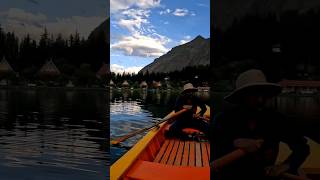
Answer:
(53, 133)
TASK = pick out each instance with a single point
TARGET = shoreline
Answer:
(48, 87)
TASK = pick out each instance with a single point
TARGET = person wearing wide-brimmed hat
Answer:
(190, 119)
(256, 129)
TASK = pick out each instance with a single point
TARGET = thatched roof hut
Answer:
(125, 84)
(143, 84)
(49, 69)
(111, 83)
(102, 71)
(156, 84)
(5, 67)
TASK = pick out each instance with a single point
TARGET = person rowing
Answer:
(257, 130)
(190, 119)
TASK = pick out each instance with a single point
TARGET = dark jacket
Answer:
(190, 99)
(266, 124)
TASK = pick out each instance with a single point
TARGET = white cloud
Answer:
(181, 12)
(134, 18)
(166, 22)
(185, 39)
(167, 11)
(118, 69)
(116, 5)
(22, 23)
(141, 45)
(192, 14)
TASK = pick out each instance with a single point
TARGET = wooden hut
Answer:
(156, 84)
(49, 69)
(5, 67)
(111, 83)
(143, 84)
(103, 71)
(125, 84)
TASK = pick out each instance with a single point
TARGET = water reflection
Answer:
(53, 134)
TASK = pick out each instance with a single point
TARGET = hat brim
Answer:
(264, 89)
(190, 90)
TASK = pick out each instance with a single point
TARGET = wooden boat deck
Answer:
(184, 153)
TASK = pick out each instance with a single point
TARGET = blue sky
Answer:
(59, 16)
(142, 30)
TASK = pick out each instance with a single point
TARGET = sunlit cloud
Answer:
(117, 5)
(181, 12)
(140, 45)
(118, 69)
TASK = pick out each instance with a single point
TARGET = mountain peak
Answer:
(199, 37)
(194, 53)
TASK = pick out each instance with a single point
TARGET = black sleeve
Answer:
(296, 142)
(221, 140)
(179, 104)
(202, 106)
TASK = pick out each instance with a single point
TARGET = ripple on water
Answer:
(44, 135)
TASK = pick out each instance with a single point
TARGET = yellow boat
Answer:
(159, 158)
(311, 167)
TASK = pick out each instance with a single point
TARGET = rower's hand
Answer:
(189, 107)
(277, 170)
(248, 145)
(196, 116)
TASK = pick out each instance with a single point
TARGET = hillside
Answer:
(193, 53)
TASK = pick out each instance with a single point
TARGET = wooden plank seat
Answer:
(184, 153)
(145, 170)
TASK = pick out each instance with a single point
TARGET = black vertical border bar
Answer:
(106, 123)
(211, 79)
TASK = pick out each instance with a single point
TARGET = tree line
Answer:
(284, 45)
(198, 75)
(75, 56)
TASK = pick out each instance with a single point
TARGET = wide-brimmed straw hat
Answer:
(189, 88)
(252, 82)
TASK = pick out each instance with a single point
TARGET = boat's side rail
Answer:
(145, 149)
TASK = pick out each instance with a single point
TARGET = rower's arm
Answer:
(202, 106)
(298, 145)
(300, 151)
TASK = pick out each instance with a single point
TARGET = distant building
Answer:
(102, 71)
(125, 84)
(111, 83)
(5, 67)
(143, 84)
(167, 84)
(49, 69)
(300, 86)
(156, 84)
(70, 84)
(5, 71)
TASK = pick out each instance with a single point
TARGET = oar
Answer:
(125, 137)
(239, 153)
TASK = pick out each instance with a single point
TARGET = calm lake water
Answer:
(132, 110)
(53, 134)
